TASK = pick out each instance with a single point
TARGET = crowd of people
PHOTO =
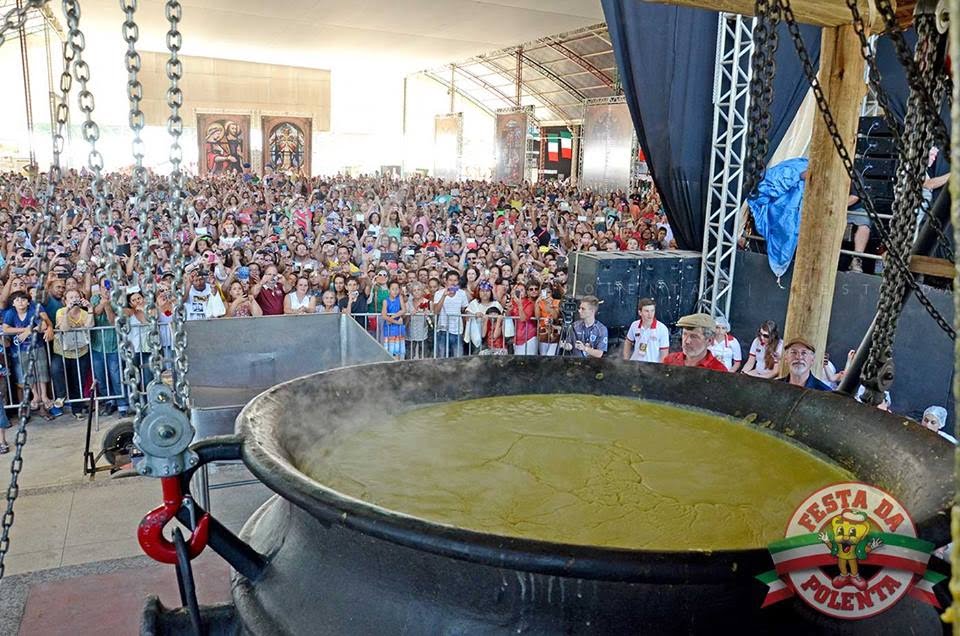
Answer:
(432, 267)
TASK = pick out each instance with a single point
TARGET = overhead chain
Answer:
(146, 257)
(174, 69)
(893, 257)
(763, 70)
(908, 199)
(16, 18)
(876, 86)
(51, 209)
(905, 57)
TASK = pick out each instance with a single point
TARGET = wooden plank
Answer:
(930, 266)
(830, 13)
(824, 215)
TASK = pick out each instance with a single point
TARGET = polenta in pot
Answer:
(577, 469)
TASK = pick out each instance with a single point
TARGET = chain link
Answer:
(878, 369)
(876, 85)
(16, 18)
(174, 69)
(146, 258)
(893, 256)
(51, 210)
(763, 70)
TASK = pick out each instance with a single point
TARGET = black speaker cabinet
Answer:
(621, 279)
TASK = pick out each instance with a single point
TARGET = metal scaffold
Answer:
(731, 102)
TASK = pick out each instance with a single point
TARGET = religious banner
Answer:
(447, 145)
(607, 146)
(556, 152)
(286, 143)
(511, 140)
(224, 143)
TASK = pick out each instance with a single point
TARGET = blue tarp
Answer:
(776, 211)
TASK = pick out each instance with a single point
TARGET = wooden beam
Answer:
(824, 215)
(930, 266)
(828, 13)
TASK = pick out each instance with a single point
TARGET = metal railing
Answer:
(77, 358)
(68, 366)
(425, 335)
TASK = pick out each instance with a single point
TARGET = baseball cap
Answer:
(692, 321)
(800, 341)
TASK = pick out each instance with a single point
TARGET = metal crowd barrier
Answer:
(443, 336)
(84, 355)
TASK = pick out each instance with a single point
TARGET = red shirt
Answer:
(271, 301)
(525, 329)
(678, 359)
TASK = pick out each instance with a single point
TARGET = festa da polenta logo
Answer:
(851, 551)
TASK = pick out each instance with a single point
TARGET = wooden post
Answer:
(824, 215)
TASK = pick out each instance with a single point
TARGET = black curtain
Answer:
(665, 55)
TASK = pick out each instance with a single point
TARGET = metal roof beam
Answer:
(553, 77)
(486, 85)
(550, 104)
(461, 93)
(579, 60)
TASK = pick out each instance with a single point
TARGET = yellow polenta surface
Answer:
(578, 469)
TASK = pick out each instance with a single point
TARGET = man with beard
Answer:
(699, 331)
(800, 356)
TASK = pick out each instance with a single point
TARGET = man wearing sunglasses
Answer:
(800, 358)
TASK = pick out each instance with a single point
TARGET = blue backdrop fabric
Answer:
(776, 211)
(665, 55)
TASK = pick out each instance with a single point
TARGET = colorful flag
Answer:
(553, 148)
(566, 144)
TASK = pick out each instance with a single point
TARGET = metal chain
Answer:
(16, 18)
(905, 57)
(875, 81)
(763, 70)
(146, 258)
(878, 369)
(50, 210)
(174, 68)
(855, 177)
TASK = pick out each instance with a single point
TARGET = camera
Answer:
(568, 309)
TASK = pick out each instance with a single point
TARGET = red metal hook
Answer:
(150, 532)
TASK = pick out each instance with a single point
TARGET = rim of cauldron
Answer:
(264, 456)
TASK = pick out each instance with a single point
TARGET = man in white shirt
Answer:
(647, 340)
(448, 305)
(197, 297)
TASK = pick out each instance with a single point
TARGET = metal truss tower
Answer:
(731, 101)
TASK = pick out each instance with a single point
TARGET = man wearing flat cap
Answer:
(699, 331)
(800, 356)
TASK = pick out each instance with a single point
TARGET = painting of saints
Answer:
(286, 147)
(218, 157)
(234, 141)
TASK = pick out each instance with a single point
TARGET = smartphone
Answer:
(107, 285)
(243, 273)
(123, 249)
(19, 271)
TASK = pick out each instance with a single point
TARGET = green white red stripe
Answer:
(923, 588)
(806, 551)
(779, 589)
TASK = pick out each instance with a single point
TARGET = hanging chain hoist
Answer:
(762, 73)
(50, 209)
(856, 178)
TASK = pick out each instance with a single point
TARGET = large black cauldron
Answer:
(328, 564)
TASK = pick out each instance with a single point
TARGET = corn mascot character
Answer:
(848, 542)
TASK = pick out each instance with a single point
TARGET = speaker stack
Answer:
(876, 161)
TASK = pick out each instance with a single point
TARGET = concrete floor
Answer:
(71, 530)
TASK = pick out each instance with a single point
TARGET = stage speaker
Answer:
(621, 279)
(874, 127)
(876, 167)
(877, 146)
